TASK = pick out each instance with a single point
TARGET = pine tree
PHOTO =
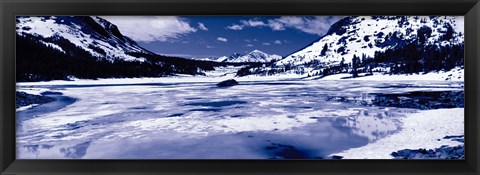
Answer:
(355, 65)
(324, 50)
(342, 64)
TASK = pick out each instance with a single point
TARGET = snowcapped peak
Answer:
(253, 56)
(95, 35)
(257, 51)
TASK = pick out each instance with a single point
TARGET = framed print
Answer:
(239, 87)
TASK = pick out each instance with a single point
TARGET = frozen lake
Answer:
(304, 119)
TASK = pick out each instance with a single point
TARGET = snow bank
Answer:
(456, 74)
(23, 108)
(222, 74)
(31, 90)
(425, 129)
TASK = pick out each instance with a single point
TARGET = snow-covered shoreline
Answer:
(23, 108)
(425, 129)
(434, 76)
(456, 74)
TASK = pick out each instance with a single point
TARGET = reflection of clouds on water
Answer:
(196, 120)
(373, 124)
(61, 151)
(77, 151)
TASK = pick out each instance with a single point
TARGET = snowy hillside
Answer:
(93, 34)
(386, 44)
(84, 47)
(367, 34)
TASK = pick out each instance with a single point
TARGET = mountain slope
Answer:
(93, 34)
(229, 58)
(66, 47)
(367, 37)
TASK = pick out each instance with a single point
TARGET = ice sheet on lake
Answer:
(256, 119)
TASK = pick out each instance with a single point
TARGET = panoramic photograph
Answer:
(240, 87)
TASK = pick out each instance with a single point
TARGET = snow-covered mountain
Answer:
(66, 47)
(253, 56)
(230, 58)
(365, 35)
(93, 34)
(257, 56)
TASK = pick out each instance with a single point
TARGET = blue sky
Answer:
(204, 36)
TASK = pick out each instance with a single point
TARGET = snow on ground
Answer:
(23, 108)
(225, 73)
(424, 129)
(228, 71)
(456, 74)
(32, 90)
(289, 76)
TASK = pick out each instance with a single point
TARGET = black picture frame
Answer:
(11, 8)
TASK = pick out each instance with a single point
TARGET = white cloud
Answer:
(210, 47)
(266, 44)
(275, 25)
(201, 26)
(277, 42)
(247, 23)
(317, 25)
(222, 39)
(247, 40)
(249, 45)
(235, 27)
(253, 23)
(291, 20)
(151, 28)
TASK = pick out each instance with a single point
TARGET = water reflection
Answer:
(373, 124)
(77, 151)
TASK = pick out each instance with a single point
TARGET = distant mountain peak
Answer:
(253, 56)
(256, 51)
